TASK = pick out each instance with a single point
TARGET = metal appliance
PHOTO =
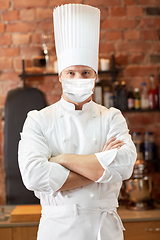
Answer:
(138, 188)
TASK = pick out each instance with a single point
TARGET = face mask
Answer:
(78, 90)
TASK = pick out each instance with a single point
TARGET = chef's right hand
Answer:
(112, 143)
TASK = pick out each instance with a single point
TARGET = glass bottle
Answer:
(159, 90)
(144, 100)
(130, 99)
(153, 93)
(116, 94)
(148, 146)
(111, 100)
(138, 141)
(140, 167)
(123, 97)
(98, 92)
(136, 99)
(47, 46)
(106, 97)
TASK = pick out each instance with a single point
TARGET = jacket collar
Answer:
(71, 107)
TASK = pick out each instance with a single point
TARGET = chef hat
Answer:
(76, 30)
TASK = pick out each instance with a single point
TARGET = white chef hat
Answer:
(76, 30)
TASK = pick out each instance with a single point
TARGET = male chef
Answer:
(75, 153)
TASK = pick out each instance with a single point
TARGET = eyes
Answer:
(77, 72)
(84, 74)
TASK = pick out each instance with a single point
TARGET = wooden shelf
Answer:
(141, 110)
(37, 74)
(24, 74)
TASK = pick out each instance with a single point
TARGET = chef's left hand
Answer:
(113, 143)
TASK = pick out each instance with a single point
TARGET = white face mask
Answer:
(78, 90)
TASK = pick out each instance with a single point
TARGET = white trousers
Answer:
(92, 221)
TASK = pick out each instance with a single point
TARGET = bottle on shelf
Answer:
(106, 97)
(98, 92)
(138, 141)
(159, 90)
(111, 100)
(116, 94)
(148, 146)
(130, 99)
(153, 93)
(123, 97)
(144, 98)
(136, 99)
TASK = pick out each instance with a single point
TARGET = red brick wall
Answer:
(130, 29)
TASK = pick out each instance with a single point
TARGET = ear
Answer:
(96, 78)
(60, 79)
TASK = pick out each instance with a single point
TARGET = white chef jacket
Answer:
(89, 211)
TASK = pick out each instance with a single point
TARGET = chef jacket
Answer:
(58, 129)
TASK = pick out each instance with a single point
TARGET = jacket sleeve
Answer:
(117, 163)
(38, 174)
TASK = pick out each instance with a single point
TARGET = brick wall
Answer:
(130, 29)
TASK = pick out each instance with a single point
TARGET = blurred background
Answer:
(130, 31)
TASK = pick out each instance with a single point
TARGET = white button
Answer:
(92, 195)
(66, 196)
(95, 140)
(65, 140)
(61, 115)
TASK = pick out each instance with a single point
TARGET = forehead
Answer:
(78, 68)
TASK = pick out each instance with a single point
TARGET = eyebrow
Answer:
(71, 69)
(68, 70)
(87, 69)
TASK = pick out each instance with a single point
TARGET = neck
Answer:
(78, 106)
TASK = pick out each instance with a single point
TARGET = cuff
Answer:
(57, 176)
(105, 159)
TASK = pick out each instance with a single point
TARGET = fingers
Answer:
(54, 159)
(116, 145)
(50, 159)
(112, 144)
(109, 142)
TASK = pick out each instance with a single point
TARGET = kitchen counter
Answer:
(138, 216)
(7, 221)
(125, 214)
(21, 222)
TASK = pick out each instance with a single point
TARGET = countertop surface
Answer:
(125, 214)
(136, 216)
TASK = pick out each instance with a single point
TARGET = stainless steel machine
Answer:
(138, 188)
